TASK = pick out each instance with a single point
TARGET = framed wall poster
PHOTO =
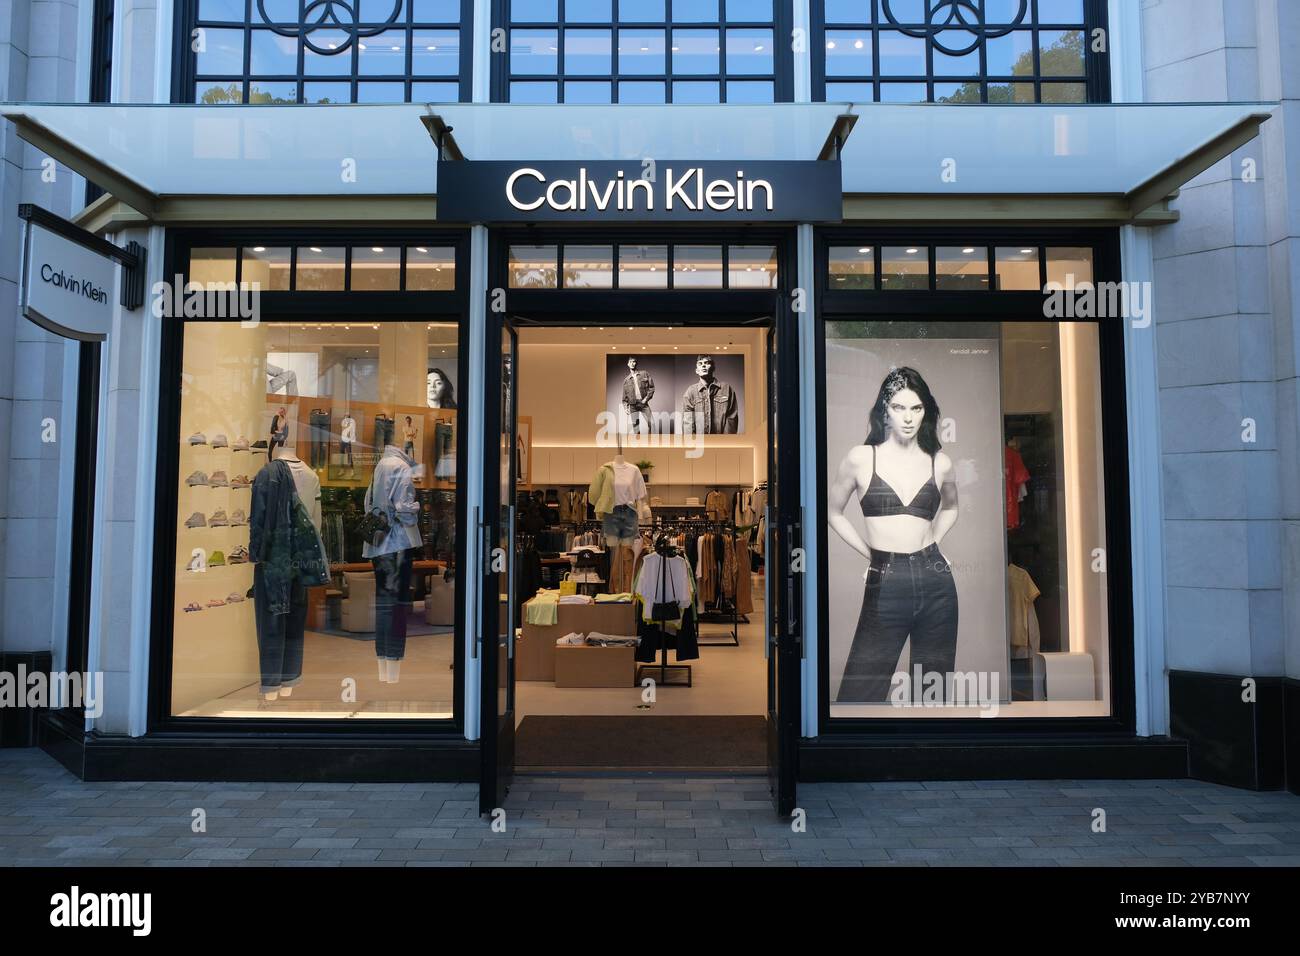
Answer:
(660, 393)
(953, 607)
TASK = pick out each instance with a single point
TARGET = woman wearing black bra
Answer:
(909, 588)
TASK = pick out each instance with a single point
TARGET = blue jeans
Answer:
(280, 637)
(392, 602)
(906, 595)
(619, 524)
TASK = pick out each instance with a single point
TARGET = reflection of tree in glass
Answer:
(534, 278)
(1062, 58)
(234, 93)
(264, 96)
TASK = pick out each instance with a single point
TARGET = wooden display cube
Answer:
(579, 665)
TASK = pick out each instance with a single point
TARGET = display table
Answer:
(535, 653)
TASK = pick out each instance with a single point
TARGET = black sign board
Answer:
(639, 191)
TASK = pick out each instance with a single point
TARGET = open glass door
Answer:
(782, 526)
(497, 624)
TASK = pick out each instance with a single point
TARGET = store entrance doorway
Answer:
(637, 477)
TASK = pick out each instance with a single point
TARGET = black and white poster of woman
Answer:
(916, 559)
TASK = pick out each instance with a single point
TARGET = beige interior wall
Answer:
(223, 392)
(1085, 528)
(562, 388)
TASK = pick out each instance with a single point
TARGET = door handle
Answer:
(478, 616)
(773, 616)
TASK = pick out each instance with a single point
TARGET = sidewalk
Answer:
(47, 817)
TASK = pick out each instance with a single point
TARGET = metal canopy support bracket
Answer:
(441, 135)
(131, 259)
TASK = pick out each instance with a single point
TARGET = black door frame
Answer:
(677, 307)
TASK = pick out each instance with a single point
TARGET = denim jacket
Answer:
(392, 491)
(282, 538)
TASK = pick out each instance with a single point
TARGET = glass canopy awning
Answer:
(149, 155)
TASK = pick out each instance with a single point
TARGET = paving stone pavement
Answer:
(48, 817)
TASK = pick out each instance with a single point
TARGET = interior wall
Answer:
(214, 653)
(562, 389)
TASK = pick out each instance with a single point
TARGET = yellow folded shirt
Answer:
(543, 609)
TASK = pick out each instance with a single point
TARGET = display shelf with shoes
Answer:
(218, 519)
(198, 438)
(193, 606)
(237, 517)
(218, 479)
(216, 602)
(241, 481)
(238, 556)
(239, 444)
(196, 520)
(216, 560)
(197, 478)
(220, 441)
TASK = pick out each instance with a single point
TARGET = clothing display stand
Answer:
(663, 666)
(718, 613)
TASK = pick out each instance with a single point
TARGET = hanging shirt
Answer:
(1017, 476)
(1025, 635)
(348, 430)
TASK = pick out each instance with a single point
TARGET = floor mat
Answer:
(641, 743)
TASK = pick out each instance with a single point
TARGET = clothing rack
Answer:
(716, 615)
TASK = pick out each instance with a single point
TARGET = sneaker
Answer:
(216, 602)
(216, 560)
(197, 478)
(219, 519)
(259, 446)
(196, 564)
(237, 517)
(238, 556)
(198, 438)
(220, 441)
(218, 480)
(193, 606)
(234, 598)
(241, 481)
(196, 520)
(240, 444)
(572, 639)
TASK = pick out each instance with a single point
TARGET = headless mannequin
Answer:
(289, 455)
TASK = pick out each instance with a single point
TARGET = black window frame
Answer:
(372, 307)
(988, 306)
(185, 67)
(782, 58)
(101, 68)
(1096, 75)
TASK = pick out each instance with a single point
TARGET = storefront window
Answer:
(704, 51)
(642, 267)
(966, 541)
(274, 52)
(286, 603)
(1007, 52)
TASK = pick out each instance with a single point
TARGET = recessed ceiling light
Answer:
(431, 47)
(259, 248)
(361, 46)
(1025, 252)
(968, 250)
(758, 48)
(315, 248)
(375, 327)
(830, 44)
(911, 252)
(864, 250)
(394, 47)
(376, 248)
(421, 249)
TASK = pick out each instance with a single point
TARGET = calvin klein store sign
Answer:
(639, 191)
